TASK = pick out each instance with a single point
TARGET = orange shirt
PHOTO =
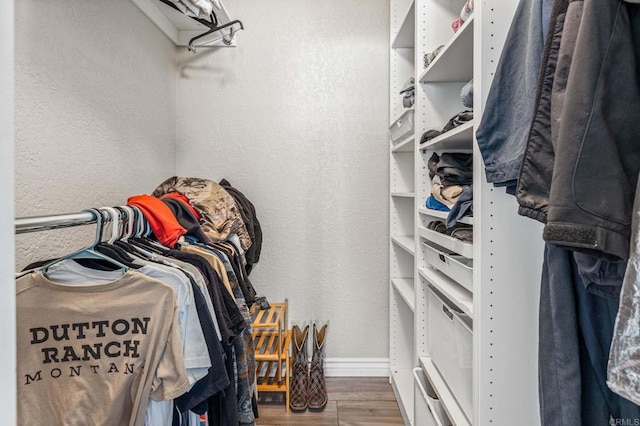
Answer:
(164, 224)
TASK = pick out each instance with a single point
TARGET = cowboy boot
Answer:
(299, 391)
(317, 386)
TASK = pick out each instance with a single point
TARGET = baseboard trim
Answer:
(356, 367)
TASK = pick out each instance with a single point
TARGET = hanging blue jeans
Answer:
(576, 329)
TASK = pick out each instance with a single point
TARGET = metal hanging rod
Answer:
(25, 225)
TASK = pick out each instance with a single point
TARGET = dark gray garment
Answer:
(463, 207)
(576, 328)
(600, 276)
(559, 376)
(504, 127)
(597, 151)
(455, 169)
(185, 218)
(534, 181)
(432, 164)
(458, 120)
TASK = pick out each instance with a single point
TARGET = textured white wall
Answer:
(95, 112)
(7, 290)
(295, 118)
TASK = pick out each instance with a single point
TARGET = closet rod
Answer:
(24, 225)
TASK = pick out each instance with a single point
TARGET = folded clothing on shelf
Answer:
(458, 120)
(455, 168)
(430, 57)
(432, 164)
(408, 92)
(465, 14)
(467, 10)
(462, 208)
(455, 25)
(446, 195)
(433, 204)
(430, 134)
(459, 231)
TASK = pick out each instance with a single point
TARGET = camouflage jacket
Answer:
(220, 214)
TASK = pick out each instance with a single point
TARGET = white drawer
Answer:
(450, 243)
(451, 349)
(402, 127)
(428, 408)
(456, 267)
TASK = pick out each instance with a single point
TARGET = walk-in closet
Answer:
(347, 212)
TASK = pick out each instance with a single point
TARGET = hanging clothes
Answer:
(623, 374)
(220, 214)
(597, 154)
(199, 261)
(250, 218)
(91, 341)
(579, 165)
(503, 131)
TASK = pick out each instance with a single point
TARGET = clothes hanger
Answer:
(135, 227)
(226, 38)
(138, 219)
(131, 224)
(139, 240)
(89, 252)
(115, 223)
(128, 224)
(109, 248)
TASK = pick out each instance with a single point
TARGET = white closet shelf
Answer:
(402, 384)
(453, 291)
(404, 146)
(406, 243)
(449, 402)
(405, 36)
(443, 215)
(178, 27)
(457, 139)
(453, 244)
(454, 62)
(403, 194)
(404, 287)
(405, 112)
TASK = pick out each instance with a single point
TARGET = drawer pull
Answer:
(447, 312)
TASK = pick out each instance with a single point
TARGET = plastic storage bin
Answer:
(402, 127)
(451, 348)
(428, 408)
(458, 268)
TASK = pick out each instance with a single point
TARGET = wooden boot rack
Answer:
(272, 339)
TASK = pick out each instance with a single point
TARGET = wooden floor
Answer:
(353, 401)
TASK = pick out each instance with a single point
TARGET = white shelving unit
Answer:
(406, 145)
(452, 63)
(404, 286)
(404, 37)
(458, 139)
(406, 243)
(505, 256)
(403, 213)
(403, 194)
